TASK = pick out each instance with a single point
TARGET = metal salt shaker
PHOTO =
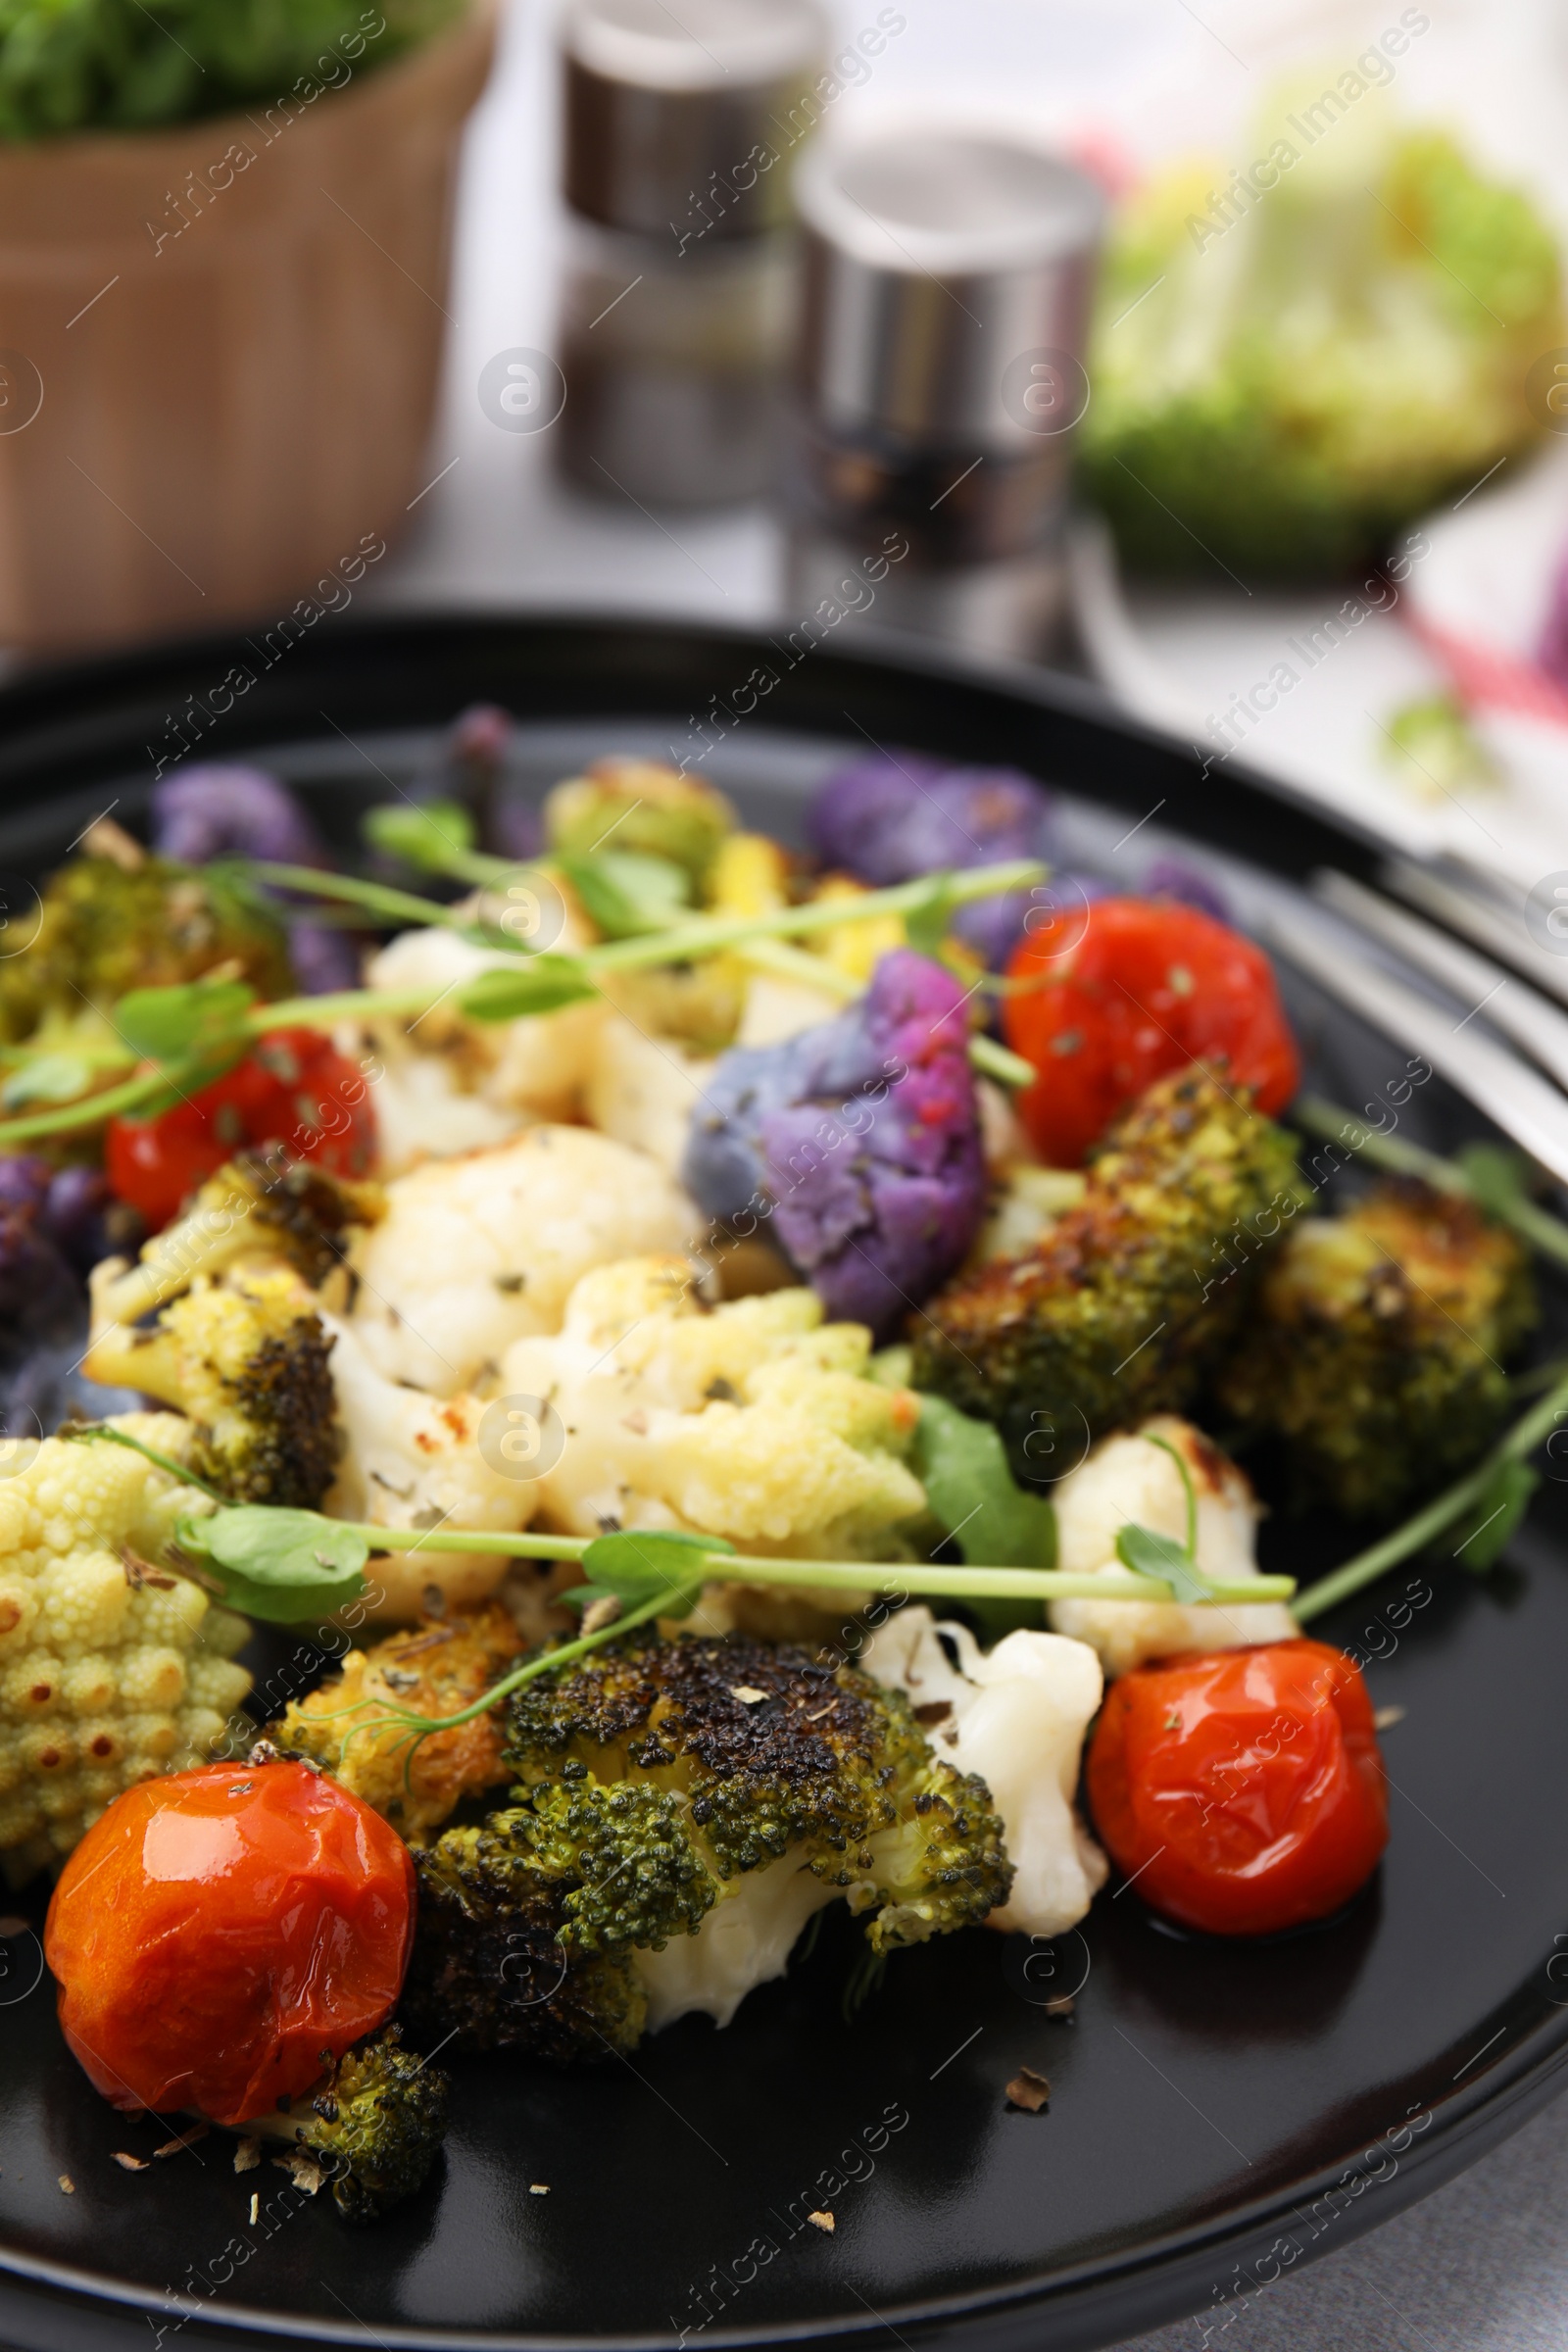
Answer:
(948, 278)
(681, 128)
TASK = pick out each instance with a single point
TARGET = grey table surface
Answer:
(1482, 2265)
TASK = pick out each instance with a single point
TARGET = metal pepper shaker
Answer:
(681, 126)
(947, 277)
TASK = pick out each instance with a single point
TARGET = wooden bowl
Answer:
(220, 347)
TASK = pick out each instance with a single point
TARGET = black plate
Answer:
(1219, 2114)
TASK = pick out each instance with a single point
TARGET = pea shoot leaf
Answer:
(49, 1078)
(644, 1565)
(426, 836)
(1152, 1555)
(541, 985)
(196, 1018)
(1498, 1179)
(1479, 1540)
(627, 891)
(278, 1564)
(962, 1465)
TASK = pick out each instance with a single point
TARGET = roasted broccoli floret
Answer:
(1290, 368)
(106, 927)
(247, 1361)
(258, 1204)
(437, 1667)
(1378, 1343)
(375, 2127)
(641, 807)
(661, 1784)
(1126, 1302)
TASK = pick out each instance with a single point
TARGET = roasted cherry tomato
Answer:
(1126, 989)
(295, 1088)
(1243, 1789)
(218, 1932)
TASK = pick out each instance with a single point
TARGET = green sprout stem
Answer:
(683, 942)
(1518, 1443)
(1188, 1490)
(1543, 1232)
(835, 1576)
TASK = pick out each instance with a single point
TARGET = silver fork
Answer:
(1512, 1095)
(1485, 909)
(1509, 1003)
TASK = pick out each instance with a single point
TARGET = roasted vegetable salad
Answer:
(751, 1366)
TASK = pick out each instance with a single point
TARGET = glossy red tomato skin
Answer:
(1243, 1789)
(1123, 990)
(295, 1088)
(217, 1931)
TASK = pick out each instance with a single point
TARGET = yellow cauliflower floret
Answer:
(752, 1421)
(111, 1669)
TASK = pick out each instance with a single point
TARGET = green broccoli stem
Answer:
(1367, 1566)
(1544, 1233)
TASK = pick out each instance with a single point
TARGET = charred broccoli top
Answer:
(1123, 1305)
(375, 2127)
(653, 1777)
(247, 1359)
(1377, 1346)
(107, 927)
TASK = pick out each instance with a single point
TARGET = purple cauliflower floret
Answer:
(221, 811)
(886, 820)
(73, 1210)
(863, 1138)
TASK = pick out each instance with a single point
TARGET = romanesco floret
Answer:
(111, 1670)
(247, 1359)
(754, 1421)
(685, 1805)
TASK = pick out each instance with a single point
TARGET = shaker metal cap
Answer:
(685, 119)
(949, 270)
(703, 45)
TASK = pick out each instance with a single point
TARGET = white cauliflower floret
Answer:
(536, 1065)
(753, 1421)
(1017, 1716)
(1128, 1479)
(423, 1112)
(415, 1462)
(111, 1669)
(642, 1090)
(477, 1252)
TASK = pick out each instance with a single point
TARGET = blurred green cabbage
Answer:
(133, 65)
(1285, 376)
